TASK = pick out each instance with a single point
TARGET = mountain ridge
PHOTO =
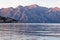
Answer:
(32, 14)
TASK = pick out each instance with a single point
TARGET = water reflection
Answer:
(29, 32)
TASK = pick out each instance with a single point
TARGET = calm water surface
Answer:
(29, 32)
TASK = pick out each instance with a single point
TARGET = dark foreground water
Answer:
(20, 31)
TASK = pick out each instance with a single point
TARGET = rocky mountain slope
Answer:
(32, 14)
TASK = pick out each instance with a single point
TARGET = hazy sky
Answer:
(15, 3)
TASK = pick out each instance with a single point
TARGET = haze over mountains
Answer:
(32, 14)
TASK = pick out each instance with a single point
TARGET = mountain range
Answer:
(32, 14)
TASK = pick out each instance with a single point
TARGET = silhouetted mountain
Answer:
(32, 14)
(7, 20)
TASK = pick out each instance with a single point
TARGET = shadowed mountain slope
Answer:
(7, 20)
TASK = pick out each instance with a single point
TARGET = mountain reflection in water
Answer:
(29, 32)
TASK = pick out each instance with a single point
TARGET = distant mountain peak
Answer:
(56, 8)
(20, 6)
(33, 6)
